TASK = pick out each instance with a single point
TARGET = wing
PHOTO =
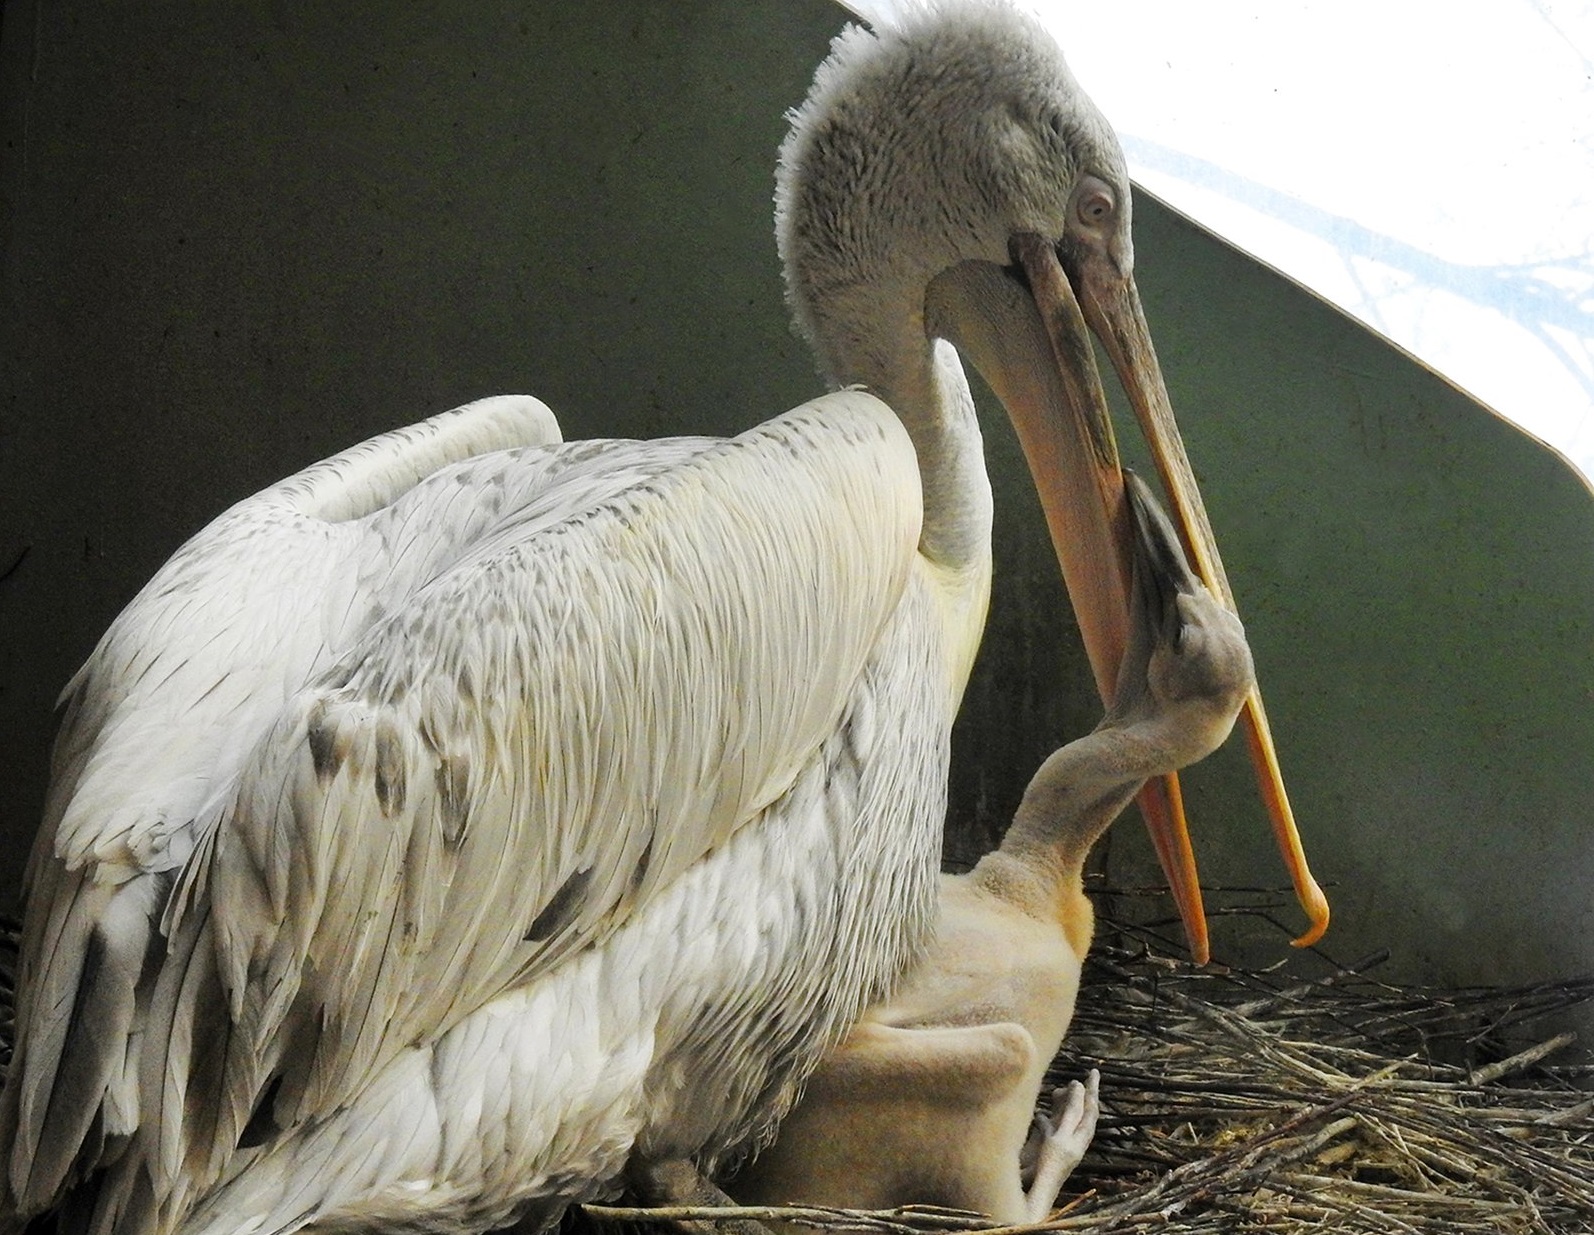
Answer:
(165, 711)
(502, 772)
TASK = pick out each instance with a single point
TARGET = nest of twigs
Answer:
(1237, 1101)
(1240, 1101)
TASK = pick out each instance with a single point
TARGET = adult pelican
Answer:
(469, 813)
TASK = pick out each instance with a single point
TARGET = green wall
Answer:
(237, 238)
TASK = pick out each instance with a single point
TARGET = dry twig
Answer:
(1238, 1102)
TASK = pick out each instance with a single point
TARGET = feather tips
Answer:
(560, 679)
(643, 685)
(156, 723)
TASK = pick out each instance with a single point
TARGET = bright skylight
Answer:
(1426, 166)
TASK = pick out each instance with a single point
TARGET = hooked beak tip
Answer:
(1317, 912)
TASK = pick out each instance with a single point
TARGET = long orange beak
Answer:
(1032, 343)
(1112, 308)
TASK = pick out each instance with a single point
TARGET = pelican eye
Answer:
(1094, 202)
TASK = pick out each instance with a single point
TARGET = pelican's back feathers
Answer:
(539, 686)
(161, 715)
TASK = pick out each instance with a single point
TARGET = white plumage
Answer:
(472, 811)
(415, 750)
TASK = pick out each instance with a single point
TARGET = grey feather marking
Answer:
(323, 739)
(390, 782)
(642, 864)
(75, 1097)
(561, 909)
(72, 1133)
(453, 797)
(262, 1125)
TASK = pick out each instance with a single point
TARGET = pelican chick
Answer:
(930, 1097)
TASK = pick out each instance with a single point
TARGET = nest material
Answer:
(1240, 1102)
(1235, 1101)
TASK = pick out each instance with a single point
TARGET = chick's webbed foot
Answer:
(1059, 1140)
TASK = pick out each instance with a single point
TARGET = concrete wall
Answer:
(237, 238)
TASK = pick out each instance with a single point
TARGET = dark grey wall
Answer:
(237, 238)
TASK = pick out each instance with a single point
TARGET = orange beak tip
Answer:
(1316, 905)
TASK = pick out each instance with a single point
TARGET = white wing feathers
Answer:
(236, 620)
(503, 747)
(502, 772)
(180, 688)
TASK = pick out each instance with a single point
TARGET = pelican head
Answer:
(948, 182)
(926, 144)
